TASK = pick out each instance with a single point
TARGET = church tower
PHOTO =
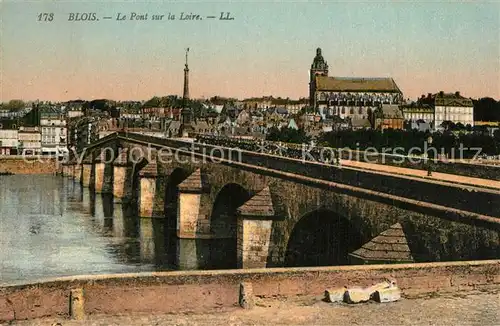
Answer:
(319, 67)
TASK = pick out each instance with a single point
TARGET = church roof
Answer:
(353, 84)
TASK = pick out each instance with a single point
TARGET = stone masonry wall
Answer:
(147, 193)
(86, 174)
(188, 215)
(253, 241)
(99, 177)
(119, 178)
(28, 165)
(204, 291)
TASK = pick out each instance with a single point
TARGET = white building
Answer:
(54, 131)
(74, 112)
(8, 141)
(453, 107)
(30, 140)
(417, 111)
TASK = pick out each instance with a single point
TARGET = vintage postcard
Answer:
(249, 162)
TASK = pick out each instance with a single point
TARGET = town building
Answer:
(389, 116)
(8, 141)
(416, 111)
(74, 111)
(349, 97)
(53, 130)
(151, 112)
(439, 107)
(83, 131)
(453, 107)
(30, 141)
(258, 103)
(360, 123)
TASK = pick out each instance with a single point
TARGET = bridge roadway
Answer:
(448, 194)
(453, 178)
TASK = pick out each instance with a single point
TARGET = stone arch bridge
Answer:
(286, 212)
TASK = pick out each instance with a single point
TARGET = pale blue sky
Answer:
(267, 49)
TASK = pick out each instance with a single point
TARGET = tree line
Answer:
(486, 109)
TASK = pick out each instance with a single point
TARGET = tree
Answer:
(486, 109)
(152, 103)
(288, 135)
(14, 105)
(448, 125)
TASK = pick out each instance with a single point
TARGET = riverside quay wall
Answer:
(28, 165)
(202, 291)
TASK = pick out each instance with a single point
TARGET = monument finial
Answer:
(185, 94)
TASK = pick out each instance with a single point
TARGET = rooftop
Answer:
(353, 84)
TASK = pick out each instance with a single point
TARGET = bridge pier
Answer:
(71, 169)
(67, 169)
(99, 175)
(151, 194)
(77, 173)
(193, 193)
(103, 174)
(122, 177)
(87, 173)
(255, 223)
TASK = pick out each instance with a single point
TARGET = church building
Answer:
(349, 97)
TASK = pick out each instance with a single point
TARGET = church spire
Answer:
(185, 94)
(319, 67)
(319, 63)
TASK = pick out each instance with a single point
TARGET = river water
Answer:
(51, 226)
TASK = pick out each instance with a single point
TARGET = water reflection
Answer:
(52, 226)
(118, 227)
(146, 239)
(187, 255)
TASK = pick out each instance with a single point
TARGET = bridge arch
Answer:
(223, 224)
(322, 237)
(223, 218)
